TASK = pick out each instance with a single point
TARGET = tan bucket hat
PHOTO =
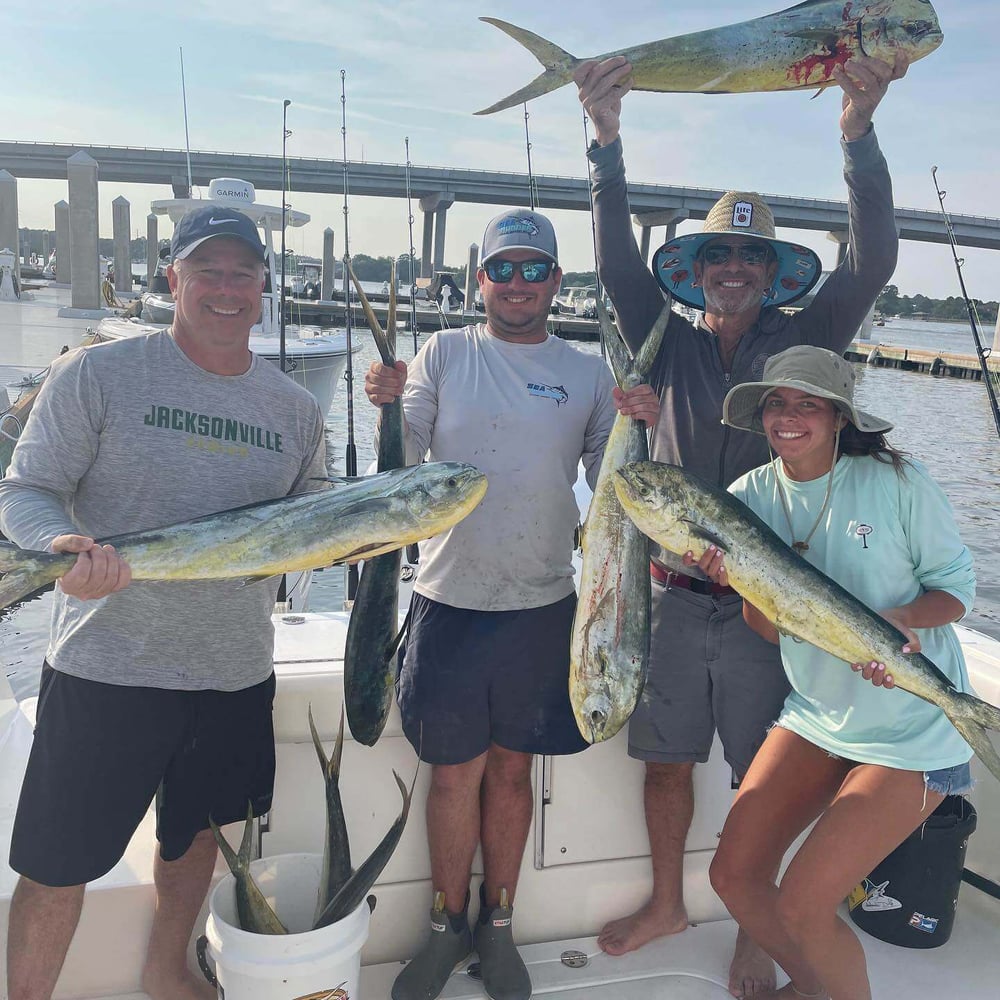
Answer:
(814, 370)
(739, 213)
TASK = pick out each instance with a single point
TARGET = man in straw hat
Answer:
(707, 670)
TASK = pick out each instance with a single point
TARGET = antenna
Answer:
(285, 133)
(413, 287)
(187, 138)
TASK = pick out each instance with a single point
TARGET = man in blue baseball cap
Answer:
(708, 671)
(139, 699)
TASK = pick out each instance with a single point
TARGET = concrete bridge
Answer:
(437, 188)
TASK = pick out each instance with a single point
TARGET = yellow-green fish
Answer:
(795, 49)
(685, 514)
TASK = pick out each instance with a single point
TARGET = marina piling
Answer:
(8, 219)
(64, 270)
(152, 249)
(121, 227)
(329, 264)
(81, 169)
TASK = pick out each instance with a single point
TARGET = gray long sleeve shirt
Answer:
(688, 374)
(133, 435)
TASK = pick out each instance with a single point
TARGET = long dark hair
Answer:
(873, 443)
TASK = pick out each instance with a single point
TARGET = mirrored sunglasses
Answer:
(501, 271)
(751, 253)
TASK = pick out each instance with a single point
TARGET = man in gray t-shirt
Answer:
(150, 689)
(484, 680)
(707, 670)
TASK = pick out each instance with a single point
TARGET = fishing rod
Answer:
(533, 201)
(187, 137)
(284, 208)
(413, 287)
(351, 459)
(593, 228)
(982, 353)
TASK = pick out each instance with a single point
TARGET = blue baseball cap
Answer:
(201, 224)
(520, 229)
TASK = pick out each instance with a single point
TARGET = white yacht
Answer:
(586, 862)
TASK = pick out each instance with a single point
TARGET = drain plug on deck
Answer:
(574, 959)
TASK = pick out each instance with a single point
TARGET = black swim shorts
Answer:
(472, 678)
(103, 751)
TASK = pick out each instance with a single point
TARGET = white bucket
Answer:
(304, 964)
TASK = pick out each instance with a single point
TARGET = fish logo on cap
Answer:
(518, 225)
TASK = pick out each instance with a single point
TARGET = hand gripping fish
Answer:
(683, 513)
(609, 648)
(358, 518)
(373, 633)
(795, 49)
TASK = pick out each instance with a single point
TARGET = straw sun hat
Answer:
(813, 370)
(736, 213)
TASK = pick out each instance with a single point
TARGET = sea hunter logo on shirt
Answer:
(220, 429)
(556, 392)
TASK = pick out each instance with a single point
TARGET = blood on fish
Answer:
(802, 70)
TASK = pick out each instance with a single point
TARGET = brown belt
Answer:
(671, 579)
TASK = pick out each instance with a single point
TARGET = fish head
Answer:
(595, 716)
(909, 26)
(658, 498)
(440, 494)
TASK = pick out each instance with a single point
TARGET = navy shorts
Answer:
(103, 751)
(472, 678)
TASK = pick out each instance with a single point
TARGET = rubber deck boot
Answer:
(450, 943)
(504, 974)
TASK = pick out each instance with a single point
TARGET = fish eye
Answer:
(451, 482)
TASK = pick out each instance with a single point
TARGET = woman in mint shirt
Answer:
(869, 765)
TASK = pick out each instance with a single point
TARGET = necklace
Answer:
(803, 546)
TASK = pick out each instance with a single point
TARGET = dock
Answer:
(910, 359)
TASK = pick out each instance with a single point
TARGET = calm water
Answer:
(944, 422)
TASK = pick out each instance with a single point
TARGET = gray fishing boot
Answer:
(450, 943)
(504, 974)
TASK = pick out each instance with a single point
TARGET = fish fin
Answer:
(247, 581)
(654, 339)
(376, 328)
(619, 356)
(227, 852)
(338, 748)
(697, 531)
(23, 571)
(559, 66)
(318, 744)
(977, 738)
(398, 641)
(820, 36)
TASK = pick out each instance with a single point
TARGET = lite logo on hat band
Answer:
(742, 215)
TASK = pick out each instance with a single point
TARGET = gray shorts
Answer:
(708, 671)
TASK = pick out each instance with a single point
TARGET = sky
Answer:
(109, 74)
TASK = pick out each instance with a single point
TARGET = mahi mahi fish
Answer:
(609, 648)
(373, 633)
(254, 912)
(795, 49)
(685, 514)
(360, 518)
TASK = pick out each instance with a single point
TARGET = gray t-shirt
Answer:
(526, 415)
(133, 435)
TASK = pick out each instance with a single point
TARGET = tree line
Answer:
(891, 303)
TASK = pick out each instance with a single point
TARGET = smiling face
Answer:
(801, 429)
(735, 287)
(517, 310)
(216, 291)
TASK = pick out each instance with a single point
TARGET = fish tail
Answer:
(972, 719)
(23, 571)
(559, 66)
(651, 345)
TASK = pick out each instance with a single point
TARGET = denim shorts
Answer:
(955, 780)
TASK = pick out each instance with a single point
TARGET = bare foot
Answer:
(167, 987)
(751, 973)
(628, 933)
